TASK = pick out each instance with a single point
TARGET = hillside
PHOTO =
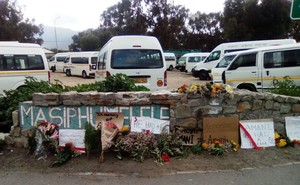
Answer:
(64, 37)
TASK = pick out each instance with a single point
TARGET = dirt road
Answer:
(175, 79)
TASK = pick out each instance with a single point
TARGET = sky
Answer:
(81, 15)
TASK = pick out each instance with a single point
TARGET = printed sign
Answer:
(223, 129)
(76, 137)
(188, 136)
(143, 124)
(110, 124)
(257, 133)
(292, 127)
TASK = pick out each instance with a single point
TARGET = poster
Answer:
(110, 124)
(292, 127)
(257, 133)
(74, 136)
(188, 136)
(223, 129)
(143, 124)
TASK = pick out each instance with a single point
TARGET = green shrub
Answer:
(10, 102)
(91, 139)
(286, 87)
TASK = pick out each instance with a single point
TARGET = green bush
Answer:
(12, 98)
(286, 87)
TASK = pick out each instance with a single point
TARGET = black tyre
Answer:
(171, 68)
(203, 75)
(84, 75)
(68, 72)
(53, 69)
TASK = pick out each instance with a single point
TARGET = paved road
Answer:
(287, 174)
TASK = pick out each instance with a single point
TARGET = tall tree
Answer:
(14, 28)
(204, 31)
(256, 19)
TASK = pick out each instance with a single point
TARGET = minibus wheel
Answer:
(84, 75)
(248, 87)
(53, 69)
(68, 72)
(203, 75)
(171, 68)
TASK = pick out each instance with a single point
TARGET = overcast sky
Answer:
(82, 15)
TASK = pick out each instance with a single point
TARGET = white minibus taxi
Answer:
(259, 69)
(218, 70)
(138, 57)
(187, 61)
(58, 61)
(170, 59)
(203, 69)
(82, 64)
(20, 60)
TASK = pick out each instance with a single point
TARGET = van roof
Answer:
(254, 43)
(296, 45)
(17, 44)
(134, 42)
(196, 54)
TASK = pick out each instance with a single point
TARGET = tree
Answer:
(14, 28)
(204, 31)
(256, 20)
(167, 22)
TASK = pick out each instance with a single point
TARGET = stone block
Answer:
(187, 123)
(243, 107)
(15, 118)
(296, 108)
(229, 109)
(183, 111)
(285, 108)
(269, 104)
(257, 104)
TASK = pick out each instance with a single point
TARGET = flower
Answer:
(282, 143)
(165, 157)
(206, 89)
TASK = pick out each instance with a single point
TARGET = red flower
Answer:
(165, 157)
(147, 131)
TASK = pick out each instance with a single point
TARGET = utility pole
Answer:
(55, 32)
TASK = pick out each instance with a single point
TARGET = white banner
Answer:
(292, 127)
(261, 132)
(144, 124)
(74, 136)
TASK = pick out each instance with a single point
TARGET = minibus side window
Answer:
(94, 60)
(194, 59)
(60, 59)
(2, 64)
(102, 61)
(248, 60)
(34, 62)
(77, 60)
(290, 58)
(215, 55)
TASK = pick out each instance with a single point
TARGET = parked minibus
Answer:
(58, 61)
(21, 60)
(261, 68)
(203, 69)
(81, 64)
(218, 70)
(187, 61)
(170, 59)
(138, 57)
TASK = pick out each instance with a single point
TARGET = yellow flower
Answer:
(193, 87)
(281, 143)
(277, 136)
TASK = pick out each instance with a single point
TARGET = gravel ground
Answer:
(175, 79)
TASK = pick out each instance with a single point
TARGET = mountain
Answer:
(63, 37)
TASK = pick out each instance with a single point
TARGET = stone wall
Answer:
(185, 110)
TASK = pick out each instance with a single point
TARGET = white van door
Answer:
(243, 72)
(280, 64)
